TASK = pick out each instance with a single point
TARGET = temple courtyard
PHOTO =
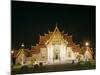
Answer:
(52, 68)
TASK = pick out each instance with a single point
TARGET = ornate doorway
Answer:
(56, 53)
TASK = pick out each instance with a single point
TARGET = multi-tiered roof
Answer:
(43, 40)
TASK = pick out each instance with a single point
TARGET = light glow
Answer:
(86, 44)
(22, 45)
(12, 52)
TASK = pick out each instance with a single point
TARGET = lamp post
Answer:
(86, 44)
(13, 57)
(22, 62)
(87, 49)
(12, 52)
(22, 45)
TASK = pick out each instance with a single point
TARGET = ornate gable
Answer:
(55, 36)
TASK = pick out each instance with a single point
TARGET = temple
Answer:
(55, 48)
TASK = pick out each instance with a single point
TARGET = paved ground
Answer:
(53, 68)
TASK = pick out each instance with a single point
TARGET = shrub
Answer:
(36, 66)
(24, 69)
(40, 64)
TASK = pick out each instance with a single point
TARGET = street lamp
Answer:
(12, 52)
(86, 44)
(22, 45)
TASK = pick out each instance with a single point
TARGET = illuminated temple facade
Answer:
(56, 48)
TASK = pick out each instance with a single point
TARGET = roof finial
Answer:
(48, 31)
(56, 28)
(56, 25)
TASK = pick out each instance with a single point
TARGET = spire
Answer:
(56, 28)
(56, 24)
(48, 31)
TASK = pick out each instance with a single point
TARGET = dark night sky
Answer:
(29, 19)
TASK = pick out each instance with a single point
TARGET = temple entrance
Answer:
(56, 53)
(56, 46)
